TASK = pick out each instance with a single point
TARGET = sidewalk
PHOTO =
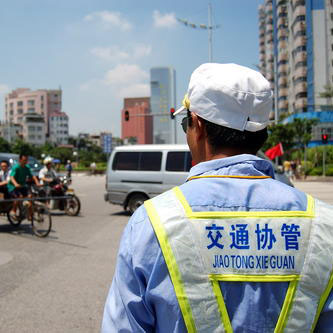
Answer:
(314, 179)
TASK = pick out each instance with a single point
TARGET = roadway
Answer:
(59, 284)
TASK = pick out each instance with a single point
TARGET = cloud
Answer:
(109, 20)
(141, 51)
(125, 74)
(4, 88)
(135, 90)
(123, 80)
(164, 20)
(115, 53)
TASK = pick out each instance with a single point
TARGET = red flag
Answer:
(274, 151)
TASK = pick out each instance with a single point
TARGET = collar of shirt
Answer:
(244, 164)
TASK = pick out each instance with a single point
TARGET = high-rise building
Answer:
(163, 98)
(24, 101)
(296, 52)
(136, 121)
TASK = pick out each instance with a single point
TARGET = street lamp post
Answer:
(210, 27)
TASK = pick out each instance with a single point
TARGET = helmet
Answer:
(48, 160)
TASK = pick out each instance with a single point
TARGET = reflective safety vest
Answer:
(203, 248)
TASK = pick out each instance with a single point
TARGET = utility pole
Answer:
(210, 27)
(210, 34)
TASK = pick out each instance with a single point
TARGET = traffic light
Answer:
(324, 139)
(126, 115)
(172, 111)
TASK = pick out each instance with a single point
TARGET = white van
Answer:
(139, 172)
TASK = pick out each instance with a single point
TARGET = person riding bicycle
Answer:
(17, 185)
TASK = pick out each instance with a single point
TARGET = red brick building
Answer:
(140, 122)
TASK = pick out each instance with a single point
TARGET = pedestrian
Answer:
(93, 168)
(4, 178)
(69, 168)
(287, 168)
(232, 249)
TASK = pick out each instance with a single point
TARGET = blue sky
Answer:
(100, 51)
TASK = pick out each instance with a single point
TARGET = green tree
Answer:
(283, 133)
(61, 153)
(5, 146)
(303, 133)
(22, 147)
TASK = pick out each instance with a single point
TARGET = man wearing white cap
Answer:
(232, 249)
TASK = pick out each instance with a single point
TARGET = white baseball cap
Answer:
(229, 95)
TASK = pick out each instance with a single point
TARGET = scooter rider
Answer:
(47, 175)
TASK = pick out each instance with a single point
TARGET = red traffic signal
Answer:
(126, 115)
(172, 111)
(324, 138)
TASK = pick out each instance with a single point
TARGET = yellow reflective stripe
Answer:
(223, 309)
(230, 176)
(287, 304)
(172, 266)
(322, 301)
(254, 278)
(309, 212)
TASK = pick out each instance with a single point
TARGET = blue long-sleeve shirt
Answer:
(142, 297)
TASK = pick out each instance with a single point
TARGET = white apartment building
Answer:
(10, 132)
(58, 128)
(33, 128)
(296, 52)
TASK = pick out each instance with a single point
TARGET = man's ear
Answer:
(199, 126)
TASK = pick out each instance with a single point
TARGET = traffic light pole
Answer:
(324, 162)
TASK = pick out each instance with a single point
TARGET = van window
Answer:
(150, 161)
(140, 161)
(126, 161)
(178, 161)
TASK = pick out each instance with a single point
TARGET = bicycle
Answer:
(41, 220)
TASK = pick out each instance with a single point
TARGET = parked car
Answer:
(12, 159)
(139, 172)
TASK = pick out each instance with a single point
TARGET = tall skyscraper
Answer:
(296, 52)
(163, 98)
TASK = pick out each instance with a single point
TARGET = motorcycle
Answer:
(71, 204)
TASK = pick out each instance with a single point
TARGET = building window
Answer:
(20, 103)
(301, 64)
(331, 13)
(42, 106)
(42, 98)
(301, 95)
(31, 102)
(31, 110)
(331, 31)
(19, 111)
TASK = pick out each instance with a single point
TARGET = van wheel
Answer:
(135, 201)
